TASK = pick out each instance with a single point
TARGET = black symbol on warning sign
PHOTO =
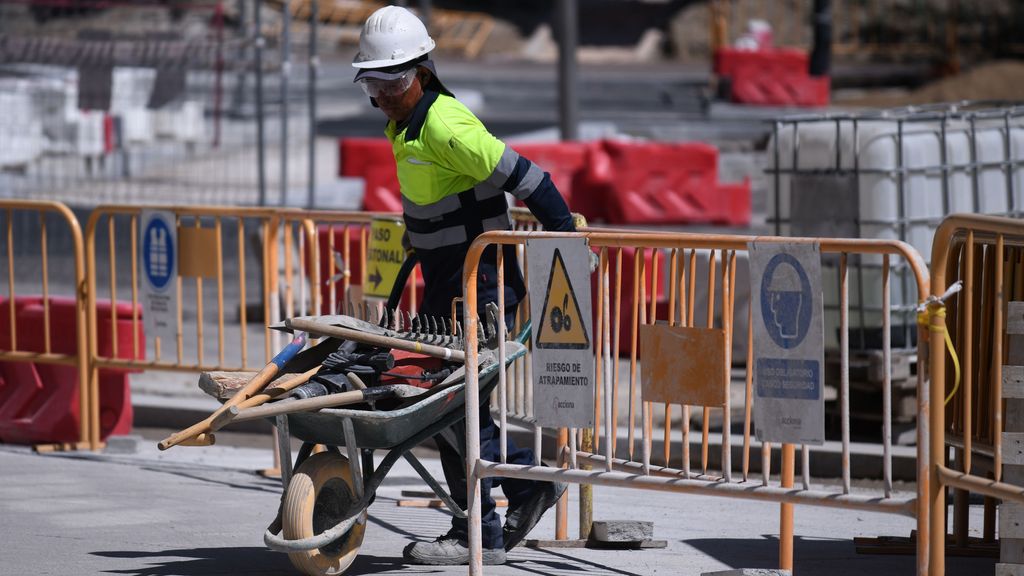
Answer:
(561, 320)
(562, 325)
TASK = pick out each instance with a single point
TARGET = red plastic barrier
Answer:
(773, 77)
(591, 184)
(730, 203)
(667, 183)
(372, 160)
(562, 160)
(39, 403)
(618, 182)
(382, 192)
(726, 61)
(110, 142)
(356, 154)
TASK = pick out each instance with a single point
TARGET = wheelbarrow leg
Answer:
(353, 455)
(284, 449)
(434, 485)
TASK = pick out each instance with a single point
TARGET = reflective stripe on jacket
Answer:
(453, 175)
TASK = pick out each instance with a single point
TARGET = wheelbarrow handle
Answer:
(314, 327)
(395, 297)
(284, 407)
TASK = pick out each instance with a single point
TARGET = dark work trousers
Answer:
(453, 461)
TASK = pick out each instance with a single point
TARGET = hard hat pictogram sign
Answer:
(561, 325)
(789, 342)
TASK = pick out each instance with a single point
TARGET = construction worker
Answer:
(453, 176)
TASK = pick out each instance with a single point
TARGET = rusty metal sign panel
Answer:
(789, 351)
(683, 365)
(196, 258)
(563, 355)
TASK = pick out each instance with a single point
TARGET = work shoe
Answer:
(521, 519)
(448, 550)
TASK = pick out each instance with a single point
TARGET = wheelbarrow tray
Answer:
(383, 429)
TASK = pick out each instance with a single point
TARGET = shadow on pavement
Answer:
(200, 561)
(825, 557)
(260, 484)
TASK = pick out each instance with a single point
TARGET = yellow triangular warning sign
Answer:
(561, 325)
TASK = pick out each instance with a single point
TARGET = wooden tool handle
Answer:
(229, 415)
(268, 372)
(312, 404)
(257, 383)
(192, 431)
(314, 327)
(201, 440)
(287, 385)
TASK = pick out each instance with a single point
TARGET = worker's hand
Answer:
(595, 262)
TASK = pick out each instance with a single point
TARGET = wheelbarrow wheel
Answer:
(321, 494)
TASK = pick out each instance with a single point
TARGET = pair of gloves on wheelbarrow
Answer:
(373, 366)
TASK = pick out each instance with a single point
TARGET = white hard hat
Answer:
(391, 36)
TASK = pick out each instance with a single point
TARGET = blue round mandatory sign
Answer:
(786, 301)
(158, 253)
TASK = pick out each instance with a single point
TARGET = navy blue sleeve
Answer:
(547, 204)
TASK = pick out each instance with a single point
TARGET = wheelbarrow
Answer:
(322, 517)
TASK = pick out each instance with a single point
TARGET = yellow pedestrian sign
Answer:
(384, 257)
(561, 325)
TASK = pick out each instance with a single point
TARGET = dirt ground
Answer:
(998, 80)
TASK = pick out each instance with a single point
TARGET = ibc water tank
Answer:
(895, 175)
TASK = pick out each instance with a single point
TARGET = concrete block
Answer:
(1011, 551)
(128, 444)
(1014, 421)
(1011, 520)
(1014, 349)
(1013, 381)
(622, 530)
(1015, 318)
(1009, 569)
(752, 572)
(1013, 448)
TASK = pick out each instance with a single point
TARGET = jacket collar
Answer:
(415, 122)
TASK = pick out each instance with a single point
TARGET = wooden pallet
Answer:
(901, 545)
(453, 30)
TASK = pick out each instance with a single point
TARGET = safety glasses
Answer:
(376, 88)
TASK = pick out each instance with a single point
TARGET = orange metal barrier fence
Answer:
(244, 266)
(673, 264)
(214, 236)
(986, 254)
(21, 250)
(241, 269)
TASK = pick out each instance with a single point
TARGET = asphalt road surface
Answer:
(202, 511)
